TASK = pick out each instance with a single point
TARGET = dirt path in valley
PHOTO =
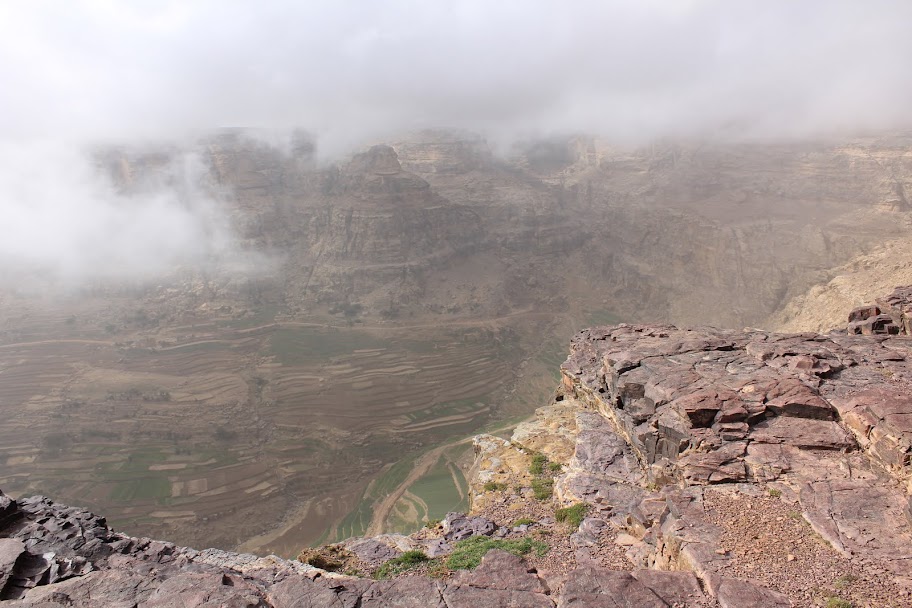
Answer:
(422, 466)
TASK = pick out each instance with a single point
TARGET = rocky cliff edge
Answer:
(702, 468)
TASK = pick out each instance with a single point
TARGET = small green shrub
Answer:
(467, 553)
(555, 466)
(493, 486)
(542, 489)
(407, 561)
(437, 568)
(432, 523)
(838, 602)
(572, 516)
(523, 521)
(775, 493)
(538, 464)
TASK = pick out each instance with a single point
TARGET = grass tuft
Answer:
(523, 521)
(572, 516)
(493, 486)
(467, 554)
(542, 489)
(331, 558)
(837, 602)
(538, 464)
(844, 581)
(407, 561)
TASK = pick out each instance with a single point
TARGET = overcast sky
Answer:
(77, 71)
(641, 67)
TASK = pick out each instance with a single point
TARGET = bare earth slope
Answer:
(856, 283)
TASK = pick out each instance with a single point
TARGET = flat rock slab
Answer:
(607, 589)
(861, 517)
(805, 433)
(600, 451)
(10, 551)
(676, 588)
(734, 593)
(501, 580)
(407, 592)
(374, 551)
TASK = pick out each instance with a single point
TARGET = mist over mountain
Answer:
(84, 74)
(267, 269)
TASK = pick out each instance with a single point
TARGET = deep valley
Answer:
(393, 305)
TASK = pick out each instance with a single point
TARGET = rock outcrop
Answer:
(53, 556)
(891, 315)
(822, 420)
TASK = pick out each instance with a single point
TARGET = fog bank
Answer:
(81, 72)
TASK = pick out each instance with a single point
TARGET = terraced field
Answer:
(267, 436)
(443, 488)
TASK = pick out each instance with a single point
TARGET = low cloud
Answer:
(65, 220)
(350, 71)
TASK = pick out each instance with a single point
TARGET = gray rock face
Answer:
(457, 526)
(608, 589)
(734, 593)
(374, 551)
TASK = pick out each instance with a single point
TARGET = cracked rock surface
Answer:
(821, 423)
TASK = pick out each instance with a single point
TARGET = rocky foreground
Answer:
(705, 468)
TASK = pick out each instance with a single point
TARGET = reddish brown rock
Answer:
(891, 315)
(596, 588)
(733, 593)
(881, 418)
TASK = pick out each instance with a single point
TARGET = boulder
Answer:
(458, 526)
